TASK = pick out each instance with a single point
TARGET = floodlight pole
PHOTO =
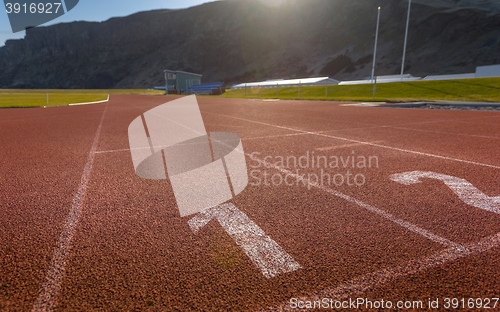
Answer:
(375, 49)
(406, 39)
(374, 80)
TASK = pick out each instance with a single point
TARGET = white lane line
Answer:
(442, 132)
(372, 281)
(365, 143)
(330, 148)
(405, 125)
(264, 252)
(90, 103)
(386, 215)
(249, 138)
(364, 104)
(122, 150)
(55, 275)
(467, 192)
(407, 225)
(273, 136)
(291, 135)
(150, 147)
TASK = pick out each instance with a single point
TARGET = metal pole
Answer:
(166, 82)
(47, 99)
(245, 90)
(326, 88)
(375, 49)
(299, 89)
(406, 40)
(276, 90)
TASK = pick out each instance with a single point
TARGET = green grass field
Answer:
(479, 90)
(38, 98)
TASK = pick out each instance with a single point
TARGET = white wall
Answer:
(488, 71)
(448, 77)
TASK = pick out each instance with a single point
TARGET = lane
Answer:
(135, 252)
(380, 286)
(43, 155)
(380, 239)
(370, 132)
(55, 275)
(352, 230)
(479, 223)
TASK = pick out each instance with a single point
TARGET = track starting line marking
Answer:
(382, 277)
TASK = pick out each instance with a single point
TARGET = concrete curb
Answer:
(90, 103)
(424, 104)
(442, 104)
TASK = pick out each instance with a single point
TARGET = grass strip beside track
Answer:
(477, 90)
(38, 98)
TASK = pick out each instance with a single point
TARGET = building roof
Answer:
(448, 77)
(382, 79)
(286, 82)
(181, 72)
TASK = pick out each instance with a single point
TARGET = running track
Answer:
(80, 231)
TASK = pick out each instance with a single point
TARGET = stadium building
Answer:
(178, 82)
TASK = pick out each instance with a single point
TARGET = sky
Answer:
(99, 10)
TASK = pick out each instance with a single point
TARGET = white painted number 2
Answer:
(467, 192)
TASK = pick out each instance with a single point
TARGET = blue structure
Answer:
(214, 88)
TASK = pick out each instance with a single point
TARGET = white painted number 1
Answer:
(467, 192)
(265, 253)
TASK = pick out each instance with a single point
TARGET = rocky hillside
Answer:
(247, 40)
(489, 6)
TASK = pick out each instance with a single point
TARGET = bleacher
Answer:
(214, 88)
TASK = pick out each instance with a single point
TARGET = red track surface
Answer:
(131, 251)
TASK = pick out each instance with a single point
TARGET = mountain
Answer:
(249, 40)
(489, 6)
